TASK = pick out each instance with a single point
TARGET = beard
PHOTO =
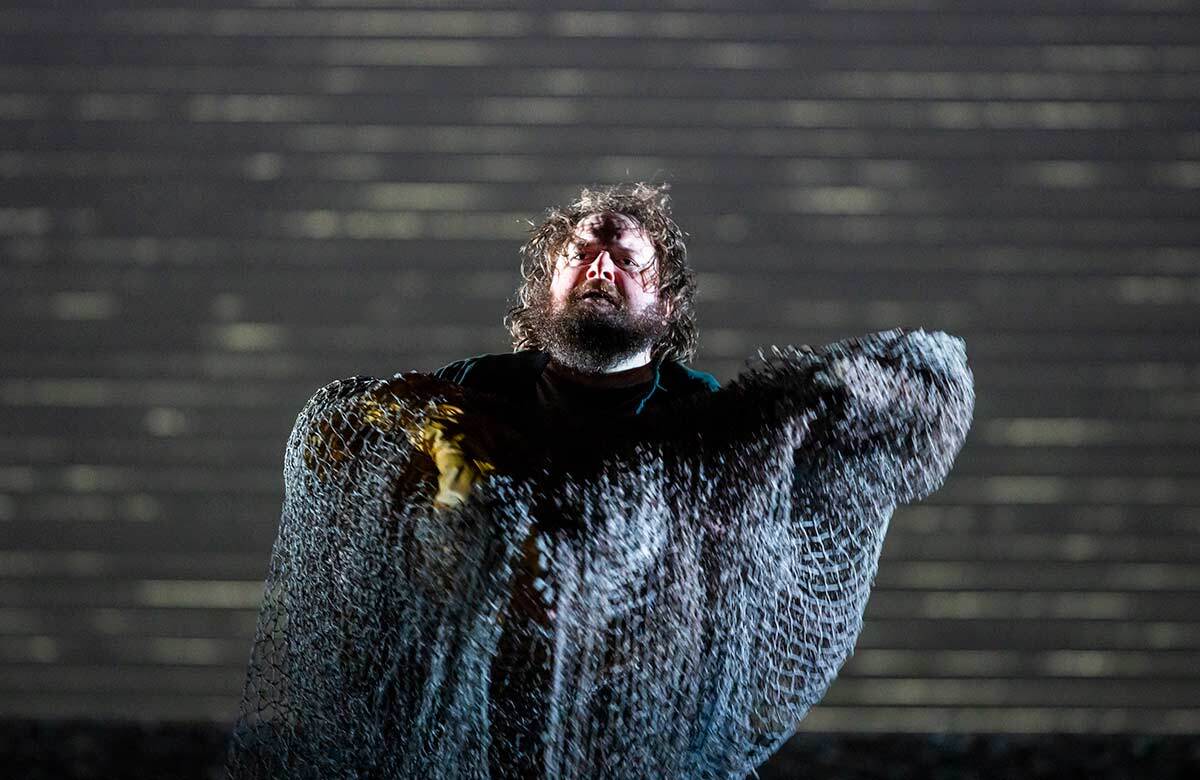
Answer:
(593, 330)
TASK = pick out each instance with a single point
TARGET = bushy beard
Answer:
(593, 337)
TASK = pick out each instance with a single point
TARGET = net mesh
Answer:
(661, 596)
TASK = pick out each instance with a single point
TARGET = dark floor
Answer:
(68, 750)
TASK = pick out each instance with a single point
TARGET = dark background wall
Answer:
(208, 212)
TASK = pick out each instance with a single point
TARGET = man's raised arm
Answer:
(886, 415)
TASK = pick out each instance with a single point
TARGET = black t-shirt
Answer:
(561, 391)
(532, 383)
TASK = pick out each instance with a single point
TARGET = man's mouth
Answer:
(598, 295)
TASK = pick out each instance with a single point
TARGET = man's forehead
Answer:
(608, 227)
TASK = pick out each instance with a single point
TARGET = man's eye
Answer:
(576, 258)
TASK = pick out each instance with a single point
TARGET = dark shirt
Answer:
(531, 380)
(563, 391)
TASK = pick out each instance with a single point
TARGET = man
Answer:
(603, 322)
(584, 559)
(603, 319)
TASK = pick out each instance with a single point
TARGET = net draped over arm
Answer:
(891, 412)
(365, 661)
(875, 422)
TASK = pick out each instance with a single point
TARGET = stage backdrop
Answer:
(207, 213)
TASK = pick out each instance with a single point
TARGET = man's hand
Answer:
(442, 439)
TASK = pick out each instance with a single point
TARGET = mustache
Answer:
(592, 286)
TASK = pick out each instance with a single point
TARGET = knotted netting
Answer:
(660, 596)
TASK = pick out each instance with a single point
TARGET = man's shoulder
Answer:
(680, 378)
(490, 369)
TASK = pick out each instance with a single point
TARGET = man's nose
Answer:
(602, 267)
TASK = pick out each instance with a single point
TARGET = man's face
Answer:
(603, 306)
(609, 263)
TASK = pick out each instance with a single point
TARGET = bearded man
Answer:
(585, 559)
(603, 318)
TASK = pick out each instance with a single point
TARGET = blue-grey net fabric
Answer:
(659, 597)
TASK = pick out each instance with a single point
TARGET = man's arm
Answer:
(889, 413)
(336, 433)
(876, 421)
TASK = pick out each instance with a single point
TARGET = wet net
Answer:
(660, 596)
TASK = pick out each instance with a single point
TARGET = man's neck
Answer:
(628, 364)
(637, 367)
(637, 361)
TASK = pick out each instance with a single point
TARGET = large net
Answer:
(661, 596)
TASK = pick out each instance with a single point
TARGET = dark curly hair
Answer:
(650, 206)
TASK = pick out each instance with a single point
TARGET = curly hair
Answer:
(647, 204)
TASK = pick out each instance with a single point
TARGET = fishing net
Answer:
(655, 596)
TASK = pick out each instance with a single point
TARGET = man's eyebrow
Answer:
(576, 241)
(581, 243)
